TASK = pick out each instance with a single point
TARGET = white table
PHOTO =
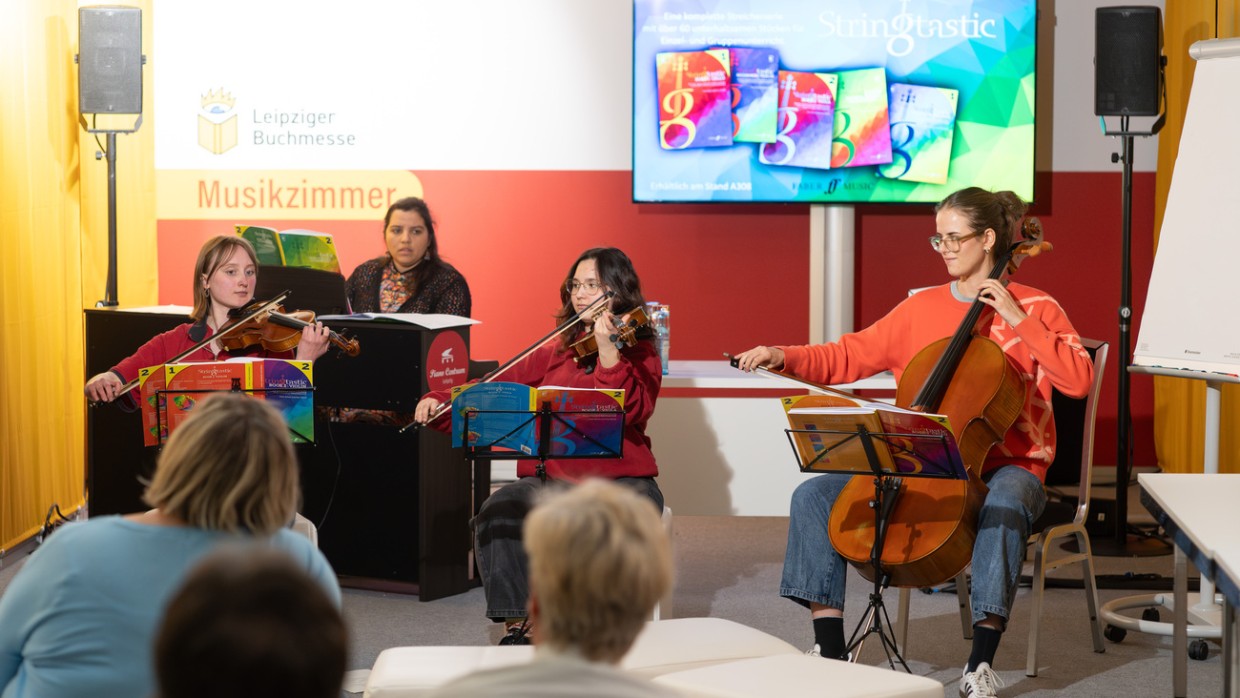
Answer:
(1199, 511)
(718, 435)
(721, 374)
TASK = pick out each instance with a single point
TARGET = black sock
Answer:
(985, 644)
(829, 635)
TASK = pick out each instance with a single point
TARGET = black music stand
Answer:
(308, 289)
(555, 435)
(942, 461)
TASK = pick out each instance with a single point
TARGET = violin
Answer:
(244, 316)
(279, 331)
(589, 311)
(625, 335)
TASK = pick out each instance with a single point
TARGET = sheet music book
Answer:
(170, 393)
(430, 321)
(905, 441)
(584, 421)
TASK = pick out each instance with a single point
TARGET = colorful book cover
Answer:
(586, 422)
(755, 94)
(923, 121)
(288, 385)
(695, 105)
(825, 435)
(266, 243)
(862, 133)
(498, 414)
(806, 121)
(927, 444)
(154, 404)
(306, 248)
(190, 383)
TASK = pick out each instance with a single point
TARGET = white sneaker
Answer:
(816, 651)
(983, 683)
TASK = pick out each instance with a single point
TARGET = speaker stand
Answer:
(1121, 543)
(109, 293)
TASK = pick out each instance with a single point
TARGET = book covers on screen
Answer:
(824, 432)
(583, 422)
(169, 393)
(695, 99)
(820, 119)
(292, 248)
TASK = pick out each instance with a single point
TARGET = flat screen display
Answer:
(832, 101)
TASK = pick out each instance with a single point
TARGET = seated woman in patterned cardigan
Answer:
(410, 277)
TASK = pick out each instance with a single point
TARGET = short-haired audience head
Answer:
(249, 623)
(599, 561)
(229, 467)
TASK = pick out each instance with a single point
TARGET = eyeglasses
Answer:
(591, 287)
(951, 243)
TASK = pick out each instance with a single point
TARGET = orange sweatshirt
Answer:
(1043, 347)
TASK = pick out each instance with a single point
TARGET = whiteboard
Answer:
(1190, 320)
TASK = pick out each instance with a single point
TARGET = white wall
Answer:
(1077, 142)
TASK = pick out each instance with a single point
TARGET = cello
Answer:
(932, 527)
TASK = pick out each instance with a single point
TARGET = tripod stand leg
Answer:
(876, 622)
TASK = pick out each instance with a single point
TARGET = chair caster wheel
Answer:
(1150, 614)
(1114, 634)
(1198, 650)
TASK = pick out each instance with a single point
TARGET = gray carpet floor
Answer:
(729, 567)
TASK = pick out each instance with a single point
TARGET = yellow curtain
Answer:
(53, 222)
(1179, 404)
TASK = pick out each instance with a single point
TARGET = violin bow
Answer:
(494, 374)
(801, 381)
(260, 308)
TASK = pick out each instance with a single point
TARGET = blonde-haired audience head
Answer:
(223, 470)
(599, 562)
(79, 618)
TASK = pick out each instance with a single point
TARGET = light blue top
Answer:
(80, 617)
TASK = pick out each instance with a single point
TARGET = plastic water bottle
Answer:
(660, 318)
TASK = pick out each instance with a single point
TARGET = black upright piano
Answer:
(392, 509)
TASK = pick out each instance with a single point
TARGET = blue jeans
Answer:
(497, 540)
(815, 573)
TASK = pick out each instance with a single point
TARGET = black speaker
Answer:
(1128, 62)
(110, 60)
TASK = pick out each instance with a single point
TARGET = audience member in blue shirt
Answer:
(79, 618)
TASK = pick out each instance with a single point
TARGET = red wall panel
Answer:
(735, 275)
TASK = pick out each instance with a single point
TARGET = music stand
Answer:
(309, 289)
(940, 460)
(161, 407)
(556, 435)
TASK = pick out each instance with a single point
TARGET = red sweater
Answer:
(639, 374)
(162, 347)
(1044, 348)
